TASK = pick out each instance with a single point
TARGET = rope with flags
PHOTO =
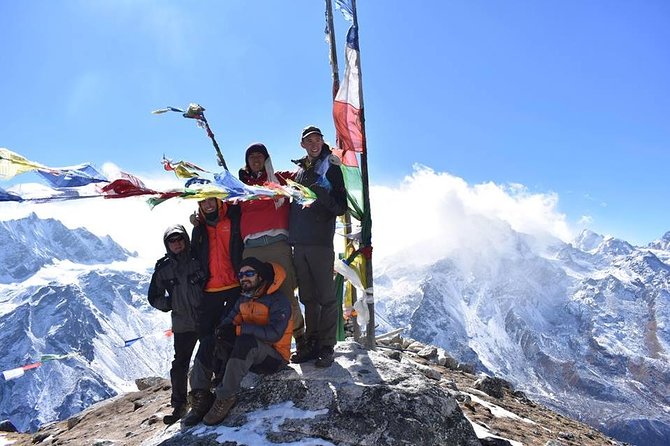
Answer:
(20, 371)
(84, 181)
(163, 334)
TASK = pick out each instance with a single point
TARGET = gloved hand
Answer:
(225, 340)
(225, 334)
(193, 218)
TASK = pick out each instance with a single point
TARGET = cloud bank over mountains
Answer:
(431, 215)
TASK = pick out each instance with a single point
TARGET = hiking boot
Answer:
(216, 380)
(219, 410)
(326, 357)
(177, 413)
(305, 351)
(201, 401)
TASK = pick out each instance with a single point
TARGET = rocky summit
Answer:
(403, 393)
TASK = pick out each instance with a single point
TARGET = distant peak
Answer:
(662, 243)
(588, 240)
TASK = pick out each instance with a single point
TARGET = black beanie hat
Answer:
(256, 147)
(264, 269)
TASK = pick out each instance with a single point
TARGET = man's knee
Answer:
(243, 345)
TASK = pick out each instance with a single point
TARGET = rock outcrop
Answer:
(390, 396)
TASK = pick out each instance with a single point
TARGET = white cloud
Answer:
(430, 215)
(585, 220)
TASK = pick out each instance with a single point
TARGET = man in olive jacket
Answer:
(311, 232)
(176, 285)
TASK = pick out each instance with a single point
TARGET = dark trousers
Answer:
(248, 354)
(184, 343)
(316, 287)
(213, 309)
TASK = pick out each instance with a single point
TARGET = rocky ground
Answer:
(422, 375)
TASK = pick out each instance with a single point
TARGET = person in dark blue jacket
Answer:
(311, 231)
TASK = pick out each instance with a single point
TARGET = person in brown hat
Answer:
(311, 232)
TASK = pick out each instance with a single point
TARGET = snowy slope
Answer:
(85, 295)
(31, 243)
(584, 327)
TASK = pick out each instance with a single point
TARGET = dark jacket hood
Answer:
(175, 229)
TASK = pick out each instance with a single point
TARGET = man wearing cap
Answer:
(255, 336)
(217, 244)
(311, 232)
(264, 227)
(176, 285)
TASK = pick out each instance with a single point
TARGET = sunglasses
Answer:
(247, 273)
(175, 239)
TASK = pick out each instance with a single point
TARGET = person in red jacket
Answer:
(264, 228)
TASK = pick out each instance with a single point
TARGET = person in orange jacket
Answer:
(217, 245)
(254, 336)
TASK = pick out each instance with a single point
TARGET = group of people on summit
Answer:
(231, 285)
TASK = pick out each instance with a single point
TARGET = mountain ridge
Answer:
(586, 332)
(38, 242)
(581, 331)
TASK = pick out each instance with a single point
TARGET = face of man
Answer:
(208, 205)
(249, 278)
(312, 144)
(256, 161)
(176, 243)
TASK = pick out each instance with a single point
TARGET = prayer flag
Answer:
(347, 110)
(74, 176)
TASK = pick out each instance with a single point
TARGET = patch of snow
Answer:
(262, 421)
(498, 411)
(483, 432)
(4, 441)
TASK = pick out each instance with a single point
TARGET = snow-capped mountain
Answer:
(31, 243)
(583, 327)
(68, 291)
(663, 243)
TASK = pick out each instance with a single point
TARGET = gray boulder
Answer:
(492, 386)
(364, 398)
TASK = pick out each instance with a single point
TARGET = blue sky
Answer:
(569, 99)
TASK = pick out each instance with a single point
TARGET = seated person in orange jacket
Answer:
(254, 336)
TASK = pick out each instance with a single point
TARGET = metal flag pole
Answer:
(348, 243)
(367, 244)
